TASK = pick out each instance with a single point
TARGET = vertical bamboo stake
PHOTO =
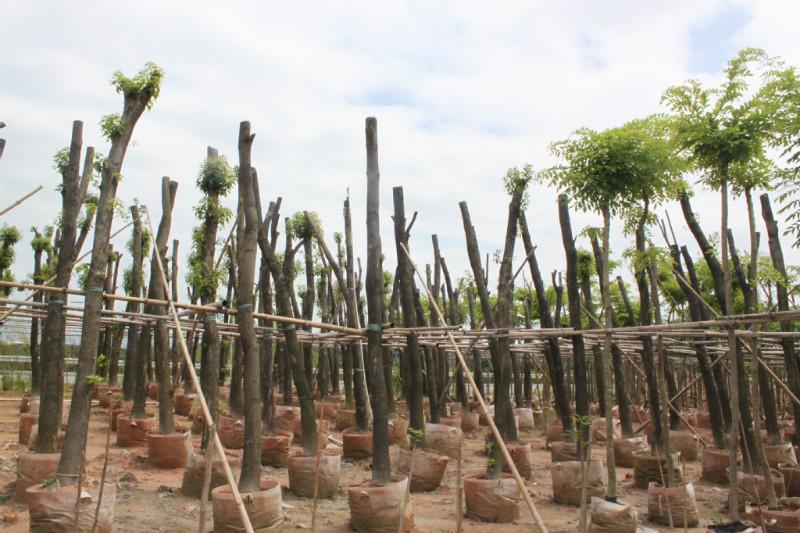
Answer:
(479, 396)
(196, 383)
(316, 473)
(105, 469)
(207, 468)
(459, 490)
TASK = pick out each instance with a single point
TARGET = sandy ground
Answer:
(154, 502)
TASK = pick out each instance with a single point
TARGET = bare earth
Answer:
(154, 502)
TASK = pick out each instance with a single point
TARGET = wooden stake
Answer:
(105, 469)
(484, 408)
(459, 491)
(316, 476)
(209, 458)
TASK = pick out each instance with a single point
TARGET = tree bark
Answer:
(132, 348)
(246, 259)
(52, 354)
(574, 300)
(381, 471)
(166, 425)
(405, 276)
(782, 297)
(74, 441)
(552, 351)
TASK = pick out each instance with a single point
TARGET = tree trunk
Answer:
(132, 347)
(75, 439)
(787, 344)
(648, 358)
(166, 425)
(381, 472)
(51, 358)
(356, 349)
(246, 259)
(574, 300)
(34, 343)
(281, 275)
(405, 276)
(709, 384)
(618, 364)
(552, 351)
(210, 347)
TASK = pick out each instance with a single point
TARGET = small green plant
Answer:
(94, 379)
(490, 448)
(417, 437)
(50, 481)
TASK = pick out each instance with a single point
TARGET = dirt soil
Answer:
(153, 501)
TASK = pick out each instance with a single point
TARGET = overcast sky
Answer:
(461, 90)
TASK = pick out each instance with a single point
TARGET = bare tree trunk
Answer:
(75, 439)
(132, 348)
(552, 352)
(405, 276)
(281, 276)
(358, 370)
(246, 259)
(34, 342)
(166, 425)
(53, 337)
(709, 384)
(574, 299)
(787, 344)
(381, 468)
(267, 237)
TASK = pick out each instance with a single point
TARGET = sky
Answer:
(462, 91)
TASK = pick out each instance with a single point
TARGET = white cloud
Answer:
(462, 92)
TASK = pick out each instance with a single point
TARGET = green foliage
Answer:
(517, 180)
(586, 266)
(41, 239)
(61, 161)
(146, 82)
(111, 126)
(300, 228)
(417, 436)
(95, 379)
(146, 242)
(9, 236)
(216, 178)
(82, 271)
(617, 168)
(722, 127)
(88, 213)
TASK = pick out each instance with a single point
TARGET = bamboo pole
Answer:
(15, 204)
(484, 408)
(196, 383)
(190, 307)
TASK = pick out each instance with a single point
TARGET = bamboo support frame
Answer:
(514, 472)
